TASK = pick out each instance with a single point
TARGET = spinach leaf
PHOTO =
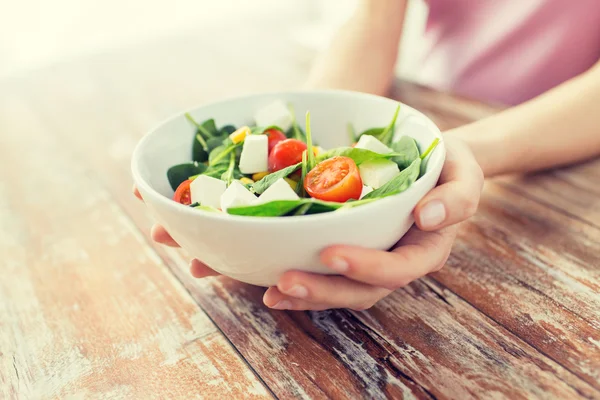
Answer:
(215, 142)
(385, 134)
(358, 155)
(204, 132)
(217, 168)
(260, 186)
(215, 171)
(181, 172)
(407, 151)
(227, 130)
(275, 208)
(279, 208)
(302, 210)
(199, 149)
(376, 132)
(258, 130)
(399, 184)
(207, 128)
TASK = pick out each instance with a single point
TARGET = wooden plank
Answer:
(516, 249)
(87, 308)
(465, 355)
(422, 341)
(535, 271)
(573, 190)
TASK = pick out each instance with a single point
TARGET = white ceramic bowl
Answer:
(258, 250)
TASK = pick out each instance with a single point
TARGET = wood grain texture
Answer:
(536, 272)
(572, 191)
(513, 314)
(87, 309)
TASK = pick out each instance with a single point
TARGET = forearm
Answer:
(557, 128)
(363, 53)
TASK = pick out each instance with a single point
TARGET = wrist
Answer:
(489, 149)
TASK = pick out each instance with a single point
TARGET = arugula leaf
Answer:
(310, 159)
(219, 153)
(399, 184)
(385, 134)
(260, 186)
(358, 155)
(351, 133)
(207, 128)
(181, 172)
(227, 176)
(407, 151)
(388, 133)
(300, 191)
(431, 147)
(204, 132)
(426, 154)
(295, 132)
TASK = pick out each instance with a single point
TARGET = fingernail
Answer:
(282, 305)
(338, 264)
(433, 214)
(298, 291)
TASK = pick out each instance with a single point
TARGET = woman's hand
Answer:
(365, 276)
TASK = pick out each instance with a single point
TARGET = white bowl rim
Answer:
(324, 217)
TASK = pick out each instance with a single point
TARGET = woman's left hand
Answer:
(366, 275)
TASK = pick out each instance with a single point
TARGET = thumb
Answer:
(457, 196)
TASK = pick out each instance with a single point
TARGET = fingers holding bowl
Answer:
(457, 196)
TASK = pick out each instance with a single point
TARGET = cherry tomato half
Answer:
(182, 194)
(285, 153)
(275, 136)
(336, 179)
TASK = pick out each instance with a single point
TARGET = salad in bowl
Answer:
(252, 192)
(274, 169)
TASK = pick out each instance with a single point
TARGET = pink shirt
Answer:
(509, 51)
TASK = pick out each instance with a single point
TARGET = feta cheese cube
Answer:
(207, 191)
(255, 154)
(280, 190)
(276, 113)
(369, 142)
(236, 195)
(365, 191)
(376, 173)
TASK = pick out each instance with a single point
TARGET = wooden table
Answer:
(91, 308)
